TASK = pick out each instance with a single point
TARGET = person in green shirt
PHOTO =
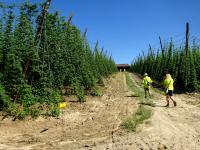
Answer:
(169, 86)
(147, 84)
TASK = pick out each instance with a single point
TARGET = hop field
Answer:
(41, 53)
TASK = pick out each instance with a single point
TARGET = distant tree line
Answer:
(40, 55)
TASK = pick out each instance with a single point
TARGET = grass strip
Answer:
(143, 112)
(136, 89)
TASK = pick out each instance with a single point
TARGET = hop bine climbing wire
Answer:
(41, 56)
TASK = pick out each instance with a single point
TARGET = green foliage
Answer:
(40, 55)
(1, 42)
(21, 115)
(55, 97)
(182, 64)
(4, 98)
(27, 98)
(16, 111)
(138, 91)
(48, 95)
(79, 92)
(36, 110)
(139, 117)
(55, 111)
(96, 92)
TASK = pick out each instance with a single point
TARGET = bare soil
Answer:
(80, 125)
(96, 124)
(173, 128)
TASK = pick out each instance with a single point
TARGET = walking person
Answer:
(147, 85)
(169, 85)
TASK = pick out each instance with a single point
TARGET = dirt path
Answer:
(169, 128)
(95, 125)
(81, 126)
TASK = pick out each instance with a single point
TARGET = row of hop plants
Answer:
(181, 62)
(35, 68)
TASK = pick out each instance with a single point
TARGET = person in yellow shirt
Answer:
(169, 86)
(147, 84)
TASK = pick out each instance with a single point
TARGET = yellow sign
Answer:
(62, 105)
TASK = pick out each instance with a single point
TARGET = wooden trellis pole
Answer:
(187, 38)
(40, 32)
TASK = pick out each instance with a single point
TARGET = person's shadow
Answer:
(147, 104)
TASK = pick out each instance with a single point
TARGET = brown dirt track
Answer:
(96, 124)
(81, 125)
